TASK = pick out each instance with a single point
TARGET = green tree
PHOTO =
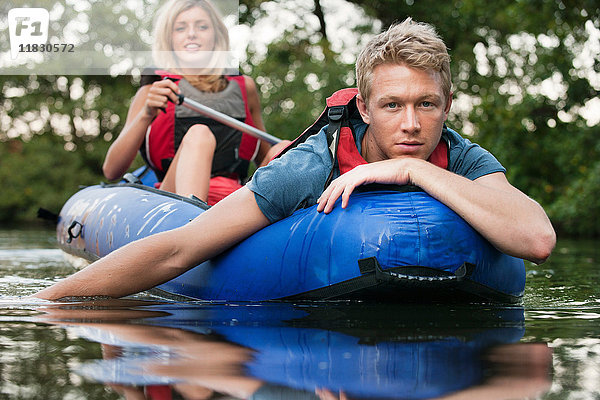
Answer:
(55, 129)
(300, 69)
(523, 72)
(56, 137)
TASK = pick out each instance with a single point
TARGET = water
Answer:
(548, 348)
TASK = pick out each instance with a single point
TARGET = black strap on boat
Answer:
(398, 282)
(413, 274)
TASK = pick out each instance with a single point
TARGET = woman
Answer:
(192, 155)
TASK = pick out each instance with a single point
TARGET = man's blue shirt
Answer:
(297, 178)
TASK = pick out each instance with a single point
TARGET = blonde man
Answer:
(404, 99)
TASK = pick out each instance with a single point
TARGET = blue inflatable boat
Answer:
(387, 245)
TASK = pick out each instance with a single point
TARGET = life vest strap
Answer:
(337, 115)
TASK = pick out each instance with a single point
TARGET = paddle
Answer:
(226, 119)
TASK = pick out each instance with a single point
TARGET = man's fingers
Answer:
(332, 198)
(339, 187)
(346, 195)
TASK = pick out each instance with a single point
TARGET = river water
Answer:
(146, 348)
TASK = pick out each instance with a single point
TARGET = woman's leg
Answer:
(275, 150)
(189, 172)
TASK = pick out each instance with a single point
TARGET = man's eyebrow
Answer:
(431, 96)
(388, 97)
(395, 98)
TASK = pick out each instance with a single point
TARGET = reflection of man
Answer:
(517, 371)
(281, 359)
(206, 364)
(405, 95)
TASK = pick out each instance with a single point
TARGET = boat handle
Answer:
(71, 230)
(370, 265)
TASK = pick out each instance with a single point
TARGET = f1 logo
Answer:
(27, 26)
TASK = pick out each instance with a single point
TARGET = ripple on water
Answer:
(29, 255)
(25, 271)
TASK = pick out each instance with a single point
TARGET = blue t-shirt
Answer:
(297, 178)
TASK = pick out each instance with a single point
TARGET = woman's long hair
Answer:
(211, 79)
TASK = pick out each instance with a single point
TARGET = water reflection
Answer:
(307, 351)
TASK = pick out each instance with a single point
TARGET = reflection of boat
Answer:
(385, 245)
(408, 356)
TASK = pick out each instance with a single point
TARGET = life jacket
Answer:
(340, 110)
(158, 392)
(234, 149)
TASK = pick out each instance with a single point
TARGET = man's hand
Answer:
(511, 221)
(325, 394)
(394, 172)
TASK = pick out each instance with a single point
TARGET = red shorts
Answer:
(221, 187)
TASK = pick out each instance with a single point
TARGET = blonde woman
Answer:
(191, 154)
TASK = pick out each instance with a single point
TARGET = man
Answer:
(404, 99)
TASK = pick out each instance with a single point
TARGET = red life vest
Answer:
(341, 107)
(165, 134)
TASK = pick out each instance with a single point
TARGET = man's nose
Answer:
(410, 120)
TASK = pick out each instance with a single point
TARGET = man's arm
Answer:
(514, 223)
(156, 259)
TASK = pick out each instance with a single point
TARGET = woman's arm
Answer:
(266, 151)
(255, 112)
(254, 103)
(145, 106)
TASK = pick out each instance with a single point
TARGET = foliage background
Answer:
(526, 82)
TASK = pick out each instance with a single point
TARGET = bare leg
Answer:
(267, 152)
(189, 172)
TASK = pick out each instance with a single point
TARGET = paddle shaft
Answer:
(227, 120)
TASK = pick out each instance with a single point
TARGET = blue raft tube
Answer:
(389, 244)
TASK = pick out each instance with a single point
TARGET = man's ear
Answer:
(448, 105)
(362, 109)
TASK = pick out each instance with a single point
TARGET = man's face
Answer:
(406, 112)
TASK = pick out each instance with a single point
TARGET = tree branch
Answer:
(319, 13)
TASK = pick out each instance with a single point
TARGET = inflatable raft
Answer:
(387, 245)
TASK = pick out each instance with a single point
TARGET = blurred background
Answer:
(526, 79)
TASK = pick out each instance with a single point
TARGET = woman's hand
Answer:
(159, 95)
(144, 108)
(394, 172)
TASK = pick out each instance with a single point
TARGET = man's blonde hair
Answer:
(409, 43)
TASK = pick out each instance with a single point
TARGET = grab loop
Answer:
(413, 273)
(75, 230)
